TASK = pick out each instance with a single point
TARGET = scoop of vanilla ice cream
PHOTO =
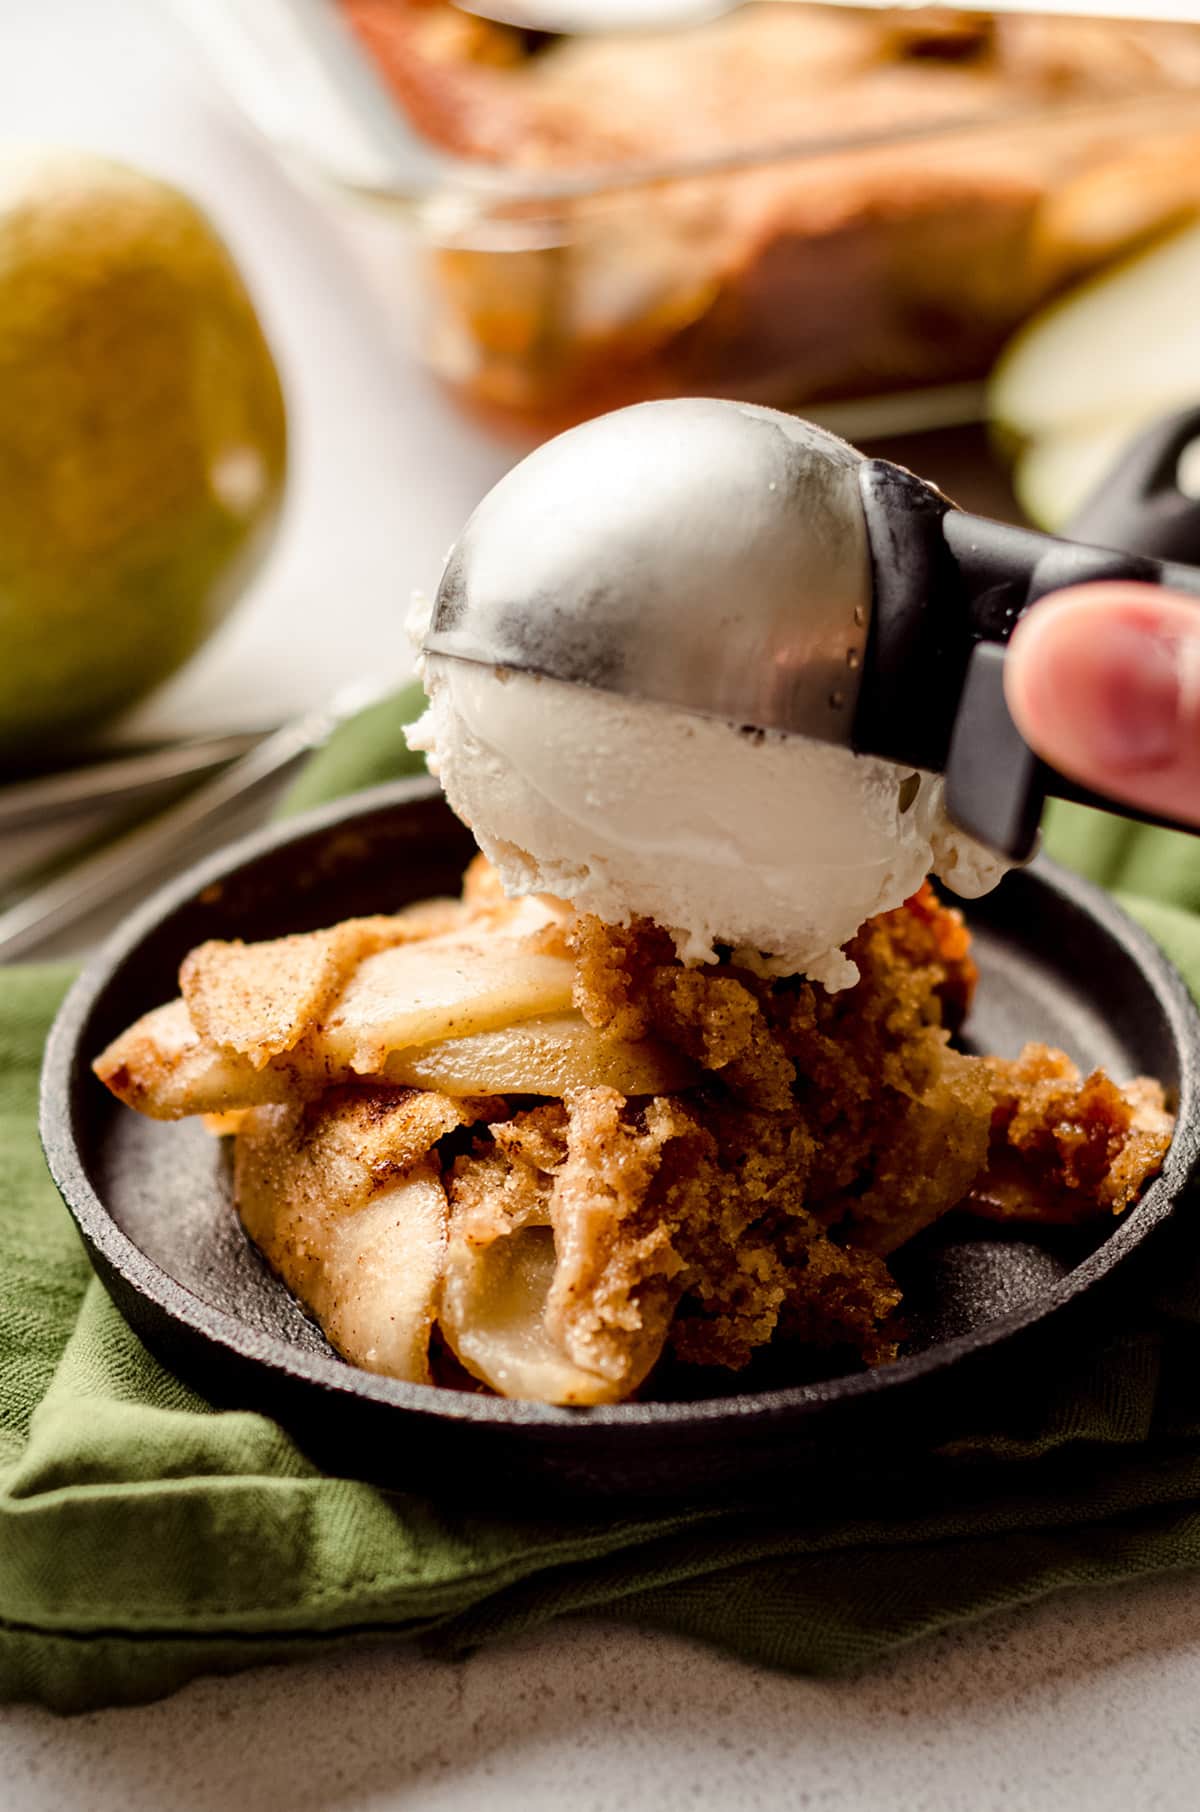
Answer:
(774, 844)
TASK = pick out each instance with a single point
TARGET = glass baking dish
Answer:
(945, 178)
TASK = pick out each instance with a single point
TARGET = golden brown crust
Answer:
(1065, 1148)
(471, 87)
(896, 1123)
(801, 276)
(505, 1183)
(385, 1129)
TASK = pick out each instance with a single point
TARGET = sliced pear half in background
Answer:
(1109, 358)
(1053, 477)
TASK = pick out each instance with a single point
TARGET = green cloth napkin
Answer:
(145, 1537)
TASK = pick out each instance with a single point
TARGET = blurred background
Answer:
(286, 285)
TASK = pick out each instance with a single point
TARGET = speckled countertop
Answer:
(1084, 1701)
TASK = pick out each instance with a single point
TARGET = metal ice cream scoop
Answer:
(741, 563)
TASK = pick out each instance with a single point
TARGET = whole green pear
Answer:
(143, 442)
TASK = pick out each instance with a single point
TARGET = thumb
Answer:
(1104, 682)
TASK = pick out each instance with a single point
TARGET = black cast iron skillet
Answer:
(1058, 961)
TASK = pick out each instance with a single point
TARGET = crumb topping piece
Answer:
(1075, 1146)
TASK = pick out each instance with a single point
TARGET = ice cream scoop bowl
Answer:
(738, 563)
(708, 555)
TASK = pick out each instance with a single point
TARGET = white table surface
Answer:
(1088, 1700)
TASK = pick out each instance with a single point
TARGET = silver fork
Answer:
(139, 854)
(119, 779)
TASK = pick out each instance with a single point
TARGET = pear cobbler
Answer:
(791, 202)
(495, 1143)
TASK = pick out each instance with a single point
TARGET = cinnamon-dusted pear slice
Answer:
(545, 1056)
(342, 1202)
(492, 1315)
(162, 1067)
(446, 987)
(258, 999)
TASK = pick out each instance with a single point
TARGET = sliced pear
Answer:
(446, 987)
(162, 1067)
(396, 999)
(364, 1255)
(544, 1056)
(259, 998)
(1054, 476)
(379, 1284)
(1123, 346)
(492, 1315)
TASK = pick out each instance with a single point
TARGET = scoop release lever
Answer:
(950, 588)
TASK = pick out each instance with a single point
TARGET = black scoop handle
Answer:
(950, 588)
(1140, 505)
